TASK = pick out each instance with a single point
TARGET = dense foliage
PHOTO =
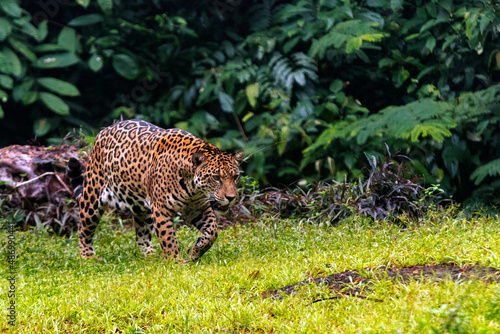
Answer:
(306, 87)
(388, 193)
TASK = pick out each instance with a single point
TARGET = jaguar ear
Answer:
(198, 158)
(239, 156)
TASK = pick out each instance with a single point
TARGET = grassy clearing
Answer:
(126, 293)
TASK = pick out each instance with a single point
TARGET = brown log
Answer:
(33, 185)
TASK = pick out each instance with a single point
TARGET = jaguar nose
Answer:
(230, 198)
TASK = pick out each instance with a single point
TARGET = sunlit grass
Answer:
(126, 293)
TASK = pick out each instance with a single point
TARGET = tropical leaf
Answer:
(252, 93)
(42, 31)
(4, 97)
(226, 102)
(5, 28)
(86, 20)
(125, 66)
(11, 8)
(206, 94)
(67, 39)
(41, 127)
(106, 5)
(284, 136)
(23, 49)
(57, 60)
(10, 64)
(6, 81)
(21, 89)
(54, 103)
(59, 86)
(83, 3)
(95, 62)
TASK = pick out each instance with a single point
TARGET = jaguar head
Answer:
(218, 176)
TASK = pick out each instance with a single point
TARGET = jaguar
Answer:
(155, 174)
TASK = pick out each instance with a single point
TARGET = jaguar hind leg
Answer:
(90, 214)
(91, 209)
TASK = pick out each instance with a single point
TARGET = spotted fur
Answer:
(156, 173)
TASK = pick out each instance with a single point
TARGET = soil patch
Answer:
(353, 282)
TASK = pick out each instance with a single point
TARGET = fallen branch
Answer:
(350, 295)
(342, 282)
(20, 184)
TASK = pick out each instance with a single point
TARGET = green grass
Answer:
(57, 292)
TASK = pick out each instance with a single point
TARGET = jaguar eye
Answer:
(216, 177)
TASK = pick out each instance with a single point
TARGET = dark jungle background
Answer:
(306, 88)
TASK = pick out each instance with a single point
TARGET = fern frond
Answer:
(286, 73)
(492, 168)
(301, 8)
(261, 15)
(244, 71)
(420, 119)
(332, 132)
(270, 90)
(474, 105)
(300, 59)
(350, 33)
(305, 67)
(417, 119)
(281, 69)
(434, 128)
(366, 128)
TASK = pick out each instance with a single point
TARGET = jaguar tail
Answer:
(75, 176)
